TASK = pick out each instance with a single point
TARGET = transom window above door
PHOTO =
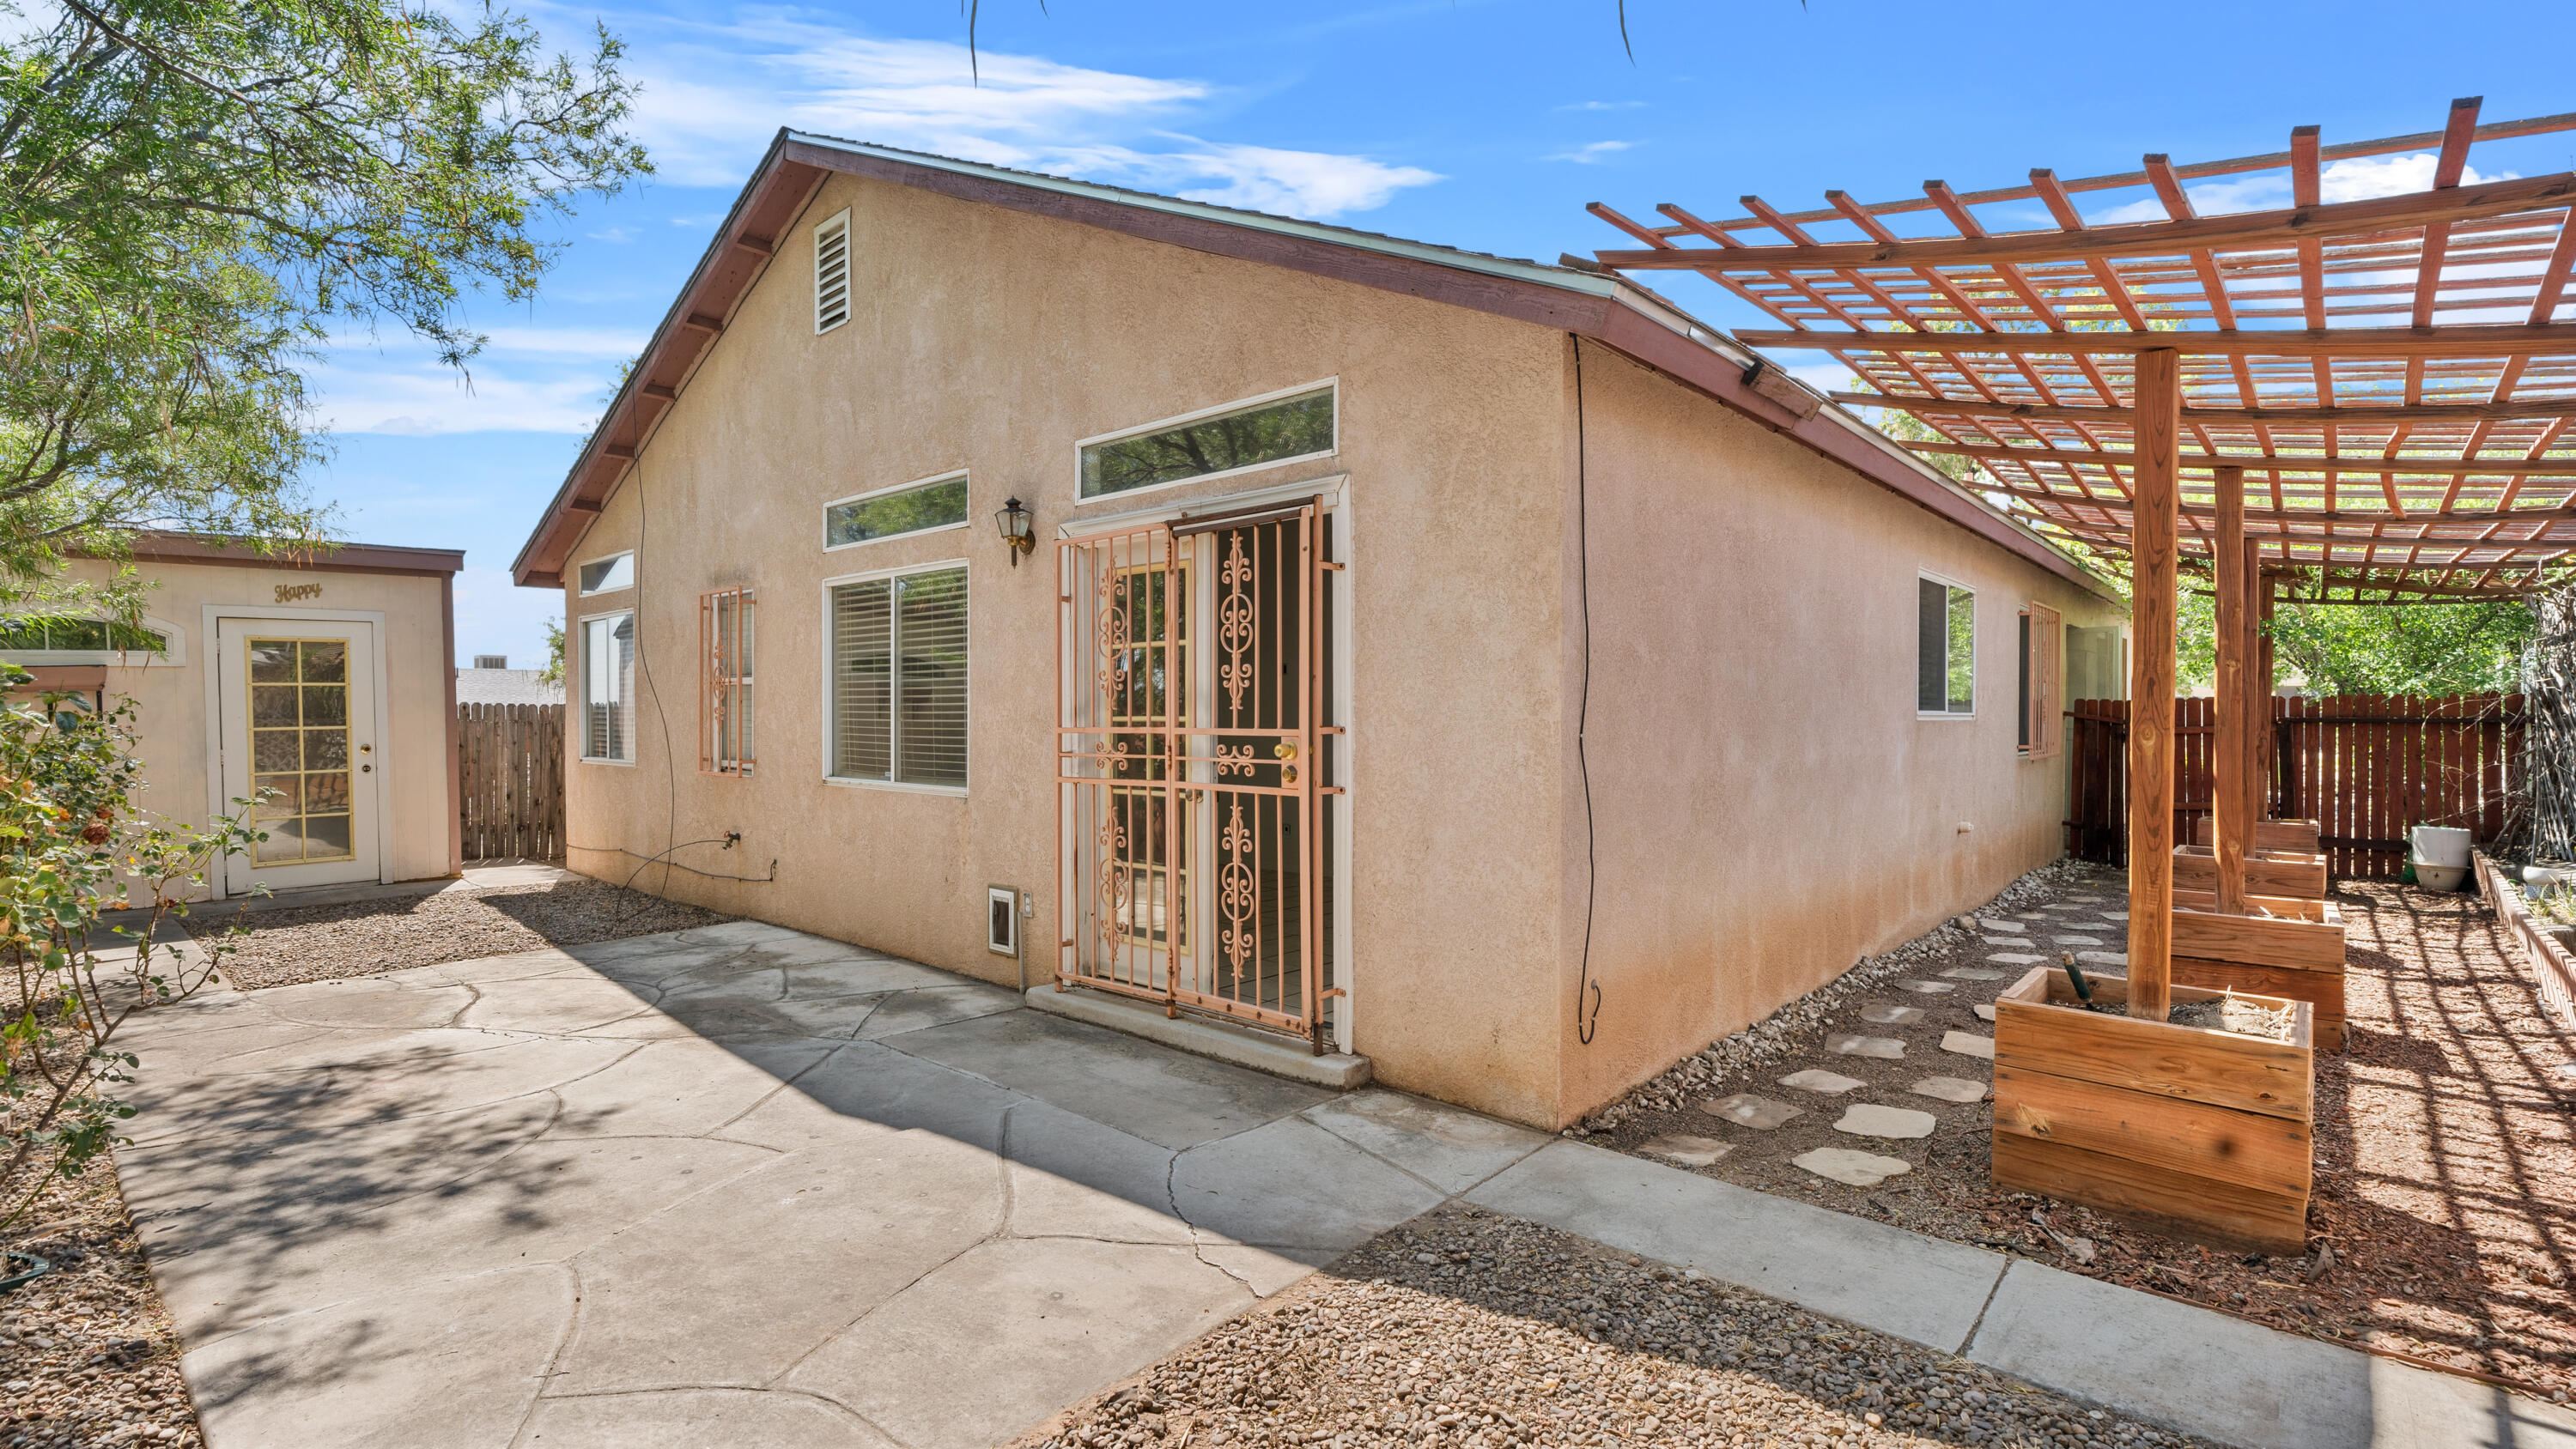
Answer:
(1282, 428)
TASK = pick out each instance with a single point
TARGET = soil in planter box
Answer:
(2236, 1014)
(2446, 1133)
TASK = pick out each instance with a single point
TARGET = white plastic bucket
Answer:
(2442, 845)
(2434, 877)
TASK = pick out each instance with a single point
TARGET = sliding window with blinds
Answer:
(898, 697)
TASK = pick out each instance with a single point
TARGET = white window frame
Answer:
(849, 261)
(625, 553)
(578, 666)
(951, 474)
(1331, 384)
(1974, 692)
(176, 654)
(823, 603)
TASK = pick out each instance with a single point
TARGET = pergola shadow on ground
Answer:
(775, 1188)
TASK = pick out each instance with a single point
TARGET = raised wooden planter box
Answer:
(2267, 873)
(2202, 1133)
(2296, 908)
(2296, 836)
(2278, 954)
(2553, 969)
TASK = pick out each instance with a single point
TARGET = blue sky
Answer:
(1478, 123)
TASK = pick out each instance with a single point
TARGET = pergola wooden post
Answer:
(2232, 799)
(2158, 400)
(2267, 740)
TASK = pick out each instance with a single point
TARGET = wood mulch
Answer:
(2443, 1226)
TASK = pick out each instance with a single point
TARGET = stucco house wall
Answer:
(1630, 690)
(1766, 807)
(991, 340)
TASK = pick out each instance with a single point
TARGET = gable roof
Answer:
(1606, 308)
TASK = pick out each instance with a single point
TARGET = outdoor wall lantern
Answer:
(1014, 522)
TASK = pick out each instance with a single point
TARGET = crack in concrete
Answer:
(554, 1360)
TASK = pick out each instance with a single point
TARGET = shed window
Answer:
(1277, 431)
(2042, 725)
(1945, 676)
(725, 627)
(86, 636)
(608, 575)
(832, 273)
(893, 512)
(898, 693)
(608, 688)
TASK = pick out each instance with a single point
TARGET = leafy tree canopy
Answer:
(193, 193)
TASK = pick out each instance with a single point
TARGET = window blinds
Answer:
(899, 679)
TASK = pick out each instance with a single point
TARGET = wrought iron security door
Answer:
(1192, 763)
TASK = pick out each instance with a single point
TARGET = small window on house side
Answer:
(832, 273)
(85, 637)
(894, 512)
(725, 632)
(608, 575)
(608, 688)
(898, 692)
(2041, 724)
(1280, 431)
(1945, 677)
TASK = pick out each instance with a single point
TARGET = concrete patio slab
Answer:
(732, 1185)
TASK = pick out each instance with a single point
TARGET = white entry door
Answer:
(299, 721)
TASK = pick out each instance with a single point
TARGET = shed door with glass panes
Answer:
(299, 740)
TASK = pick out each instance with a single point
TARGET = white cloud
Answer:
(615, 235)
(1591, 155)
(2357, 178)
(710, 104)
(699, 222)
(1604, 106)
(412, 395)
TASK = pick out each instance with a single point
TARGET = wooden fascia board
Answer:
(354, 558)
(1696, 366)
(778, 188)
(1562, 308)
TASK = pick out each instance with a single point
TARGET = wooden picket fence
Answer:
(2366, 768)
(511, 760)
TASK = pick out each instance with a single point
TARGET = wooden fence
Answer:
(510, 758)
(2366, 768)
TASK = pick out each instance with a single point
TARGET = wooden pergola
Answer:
(2373, 393)
(2366, 393)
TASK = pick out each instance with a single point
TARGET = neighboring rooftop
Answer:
(506, 686)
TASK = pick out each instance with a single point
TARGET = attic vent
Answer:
(832, 273)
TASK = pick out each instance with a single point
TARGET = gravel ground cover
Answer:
(289, 946)
(2444, 1221)
(1464, 1328)
(87, 1352)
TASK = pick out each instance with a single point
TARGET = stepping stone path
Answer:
(2016, 958)
(1929, 988)
(1746, 1110)
(1968, 1045)
(2079, 940)
(1985, 1013)
(2010, 928)
(1888, 1013)
(1812, 1080)
(2115, 915)
(1950, 1089)
(1868, 1119)
(1976, 973)
(1687, 1150)
(1853, 1169)
(2103, 958)
(1886, 1047)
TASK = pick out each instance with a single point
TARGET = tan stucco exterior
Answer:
(172, 697)
(990, 339)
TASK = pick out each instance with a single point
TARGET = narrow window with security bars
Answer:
(898, 691)
(726, 632)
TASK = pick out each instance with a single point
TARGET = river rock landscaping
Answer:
(1465, 1328)
(2444, 1222)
